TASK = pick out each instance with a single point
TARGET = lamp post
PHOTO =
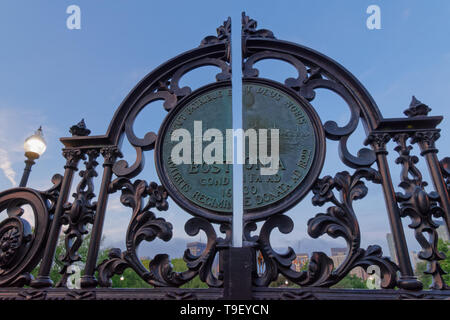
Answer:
(34, 147)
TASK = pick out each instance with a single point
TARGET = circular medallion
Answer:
(193, 163)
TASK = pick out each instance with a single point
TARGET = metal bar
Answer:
(398, 233)
(238, 276)
(407, 279)
(88, 280)
(26, 173)
(440, 186)
(438, 179)
(43, 280)
(238, 169)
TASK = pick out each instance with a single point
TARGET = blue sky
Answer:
(52, 76)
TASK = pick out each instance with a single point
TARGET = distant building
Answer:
(338, 256)
(442, 231)
(196, 248)
(338, 251)
(391, 245)
(338, 259)
(300, 261)
(297, 264)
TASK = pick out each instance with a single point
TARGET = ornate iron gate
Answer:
(23, 248)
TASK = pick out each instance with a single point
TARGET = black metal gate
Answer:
(23, 248)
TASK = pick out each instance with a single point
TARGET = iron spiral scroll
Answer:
(23, 248)
(21, 245)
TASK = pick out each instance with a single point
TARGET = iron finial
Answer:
(80, 129)
(417, 108)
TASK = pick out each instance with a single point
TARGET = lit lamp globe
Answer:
(35, 145)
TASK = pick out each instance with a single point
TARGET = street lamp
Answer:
(34, 147)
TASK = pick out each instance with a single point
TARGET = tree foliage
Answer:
(351, 281)
(421, 267)
(130, 279)
(59, 253)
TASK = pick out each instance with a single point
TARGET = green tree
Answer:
(351, 281)
(130, 279)
(421, 267)
(348, 282)
(444, 247)
(282, 282)
(59, 253)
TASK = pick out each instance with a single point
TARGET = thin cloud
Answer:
(15, 125)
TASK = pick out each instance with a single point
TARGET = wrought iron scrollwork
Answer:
(223, 34)
(311, 77)
(21, 246)
(166, 87)
(144, 225)
(249, 29)
(201, 265)
(222, 76)
(121, 168)
(445, 169)
(78, 215)
(339, 221)
(15, 235)
(51, 195)
(421, 207)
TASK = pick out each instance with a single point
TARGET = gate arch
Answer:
(144, 199)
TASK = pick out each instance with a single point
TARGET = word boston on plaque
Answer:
(205, 188)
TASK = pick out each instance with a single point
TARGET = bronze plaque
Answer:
(265, 106)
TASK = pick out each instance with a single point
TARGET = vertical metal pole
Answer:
(439, 185)
(238, 173)
(429, 151)
(238, 275)
(407, 279)
(26, 173)
(43, 280)
(88, 280)
(237, 261)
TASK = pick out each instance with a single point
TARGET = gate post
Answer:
(407, 279)
(238, 267)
